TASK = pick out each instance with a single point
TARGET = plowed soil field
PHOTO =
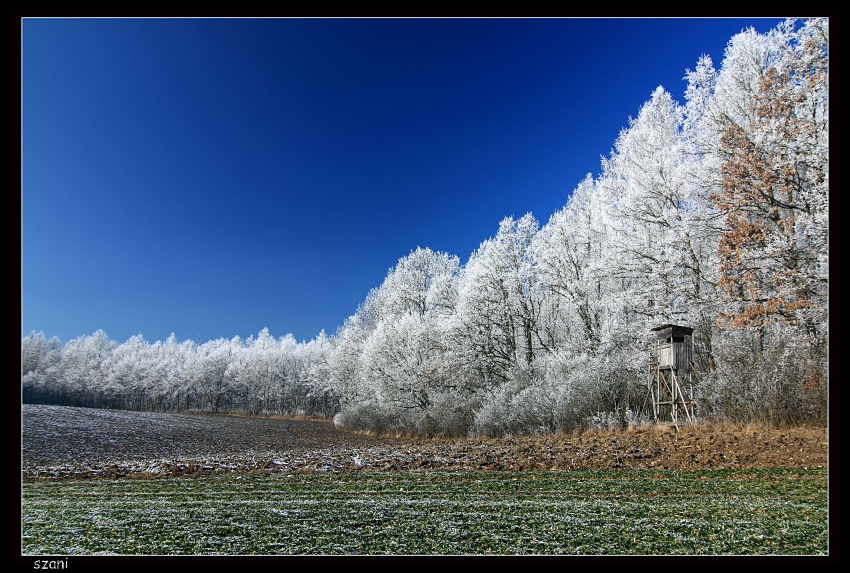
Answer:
(60, 442)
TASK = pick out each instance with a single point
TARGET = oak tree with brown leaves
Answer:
(773, 195)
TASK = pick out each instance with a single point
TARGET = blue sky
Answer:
(211, 177)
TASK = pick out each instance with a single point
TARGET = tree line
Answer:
(711, 214)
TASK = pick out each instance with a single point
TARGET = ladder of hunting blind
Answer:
(677, 392)
(654, 373)
(677, 396)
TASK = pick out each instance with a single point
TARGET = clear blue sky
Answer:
(212, 177)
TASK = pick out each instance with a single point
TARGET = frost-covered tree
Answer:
(169, 374)
(82, 372)
(128, 374)
(345, 375)
(656, 250)
(316, 373)
(38, 354)
(33, 351)
(499, 330)
(421, 283)
(499, 303)
(259, 371)
(569, 250)
(774, 186)
(40, 360)
(403, 362)
(759, 126)
(211, 372)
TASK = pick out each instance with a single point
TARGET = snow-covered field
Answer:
(60, 441)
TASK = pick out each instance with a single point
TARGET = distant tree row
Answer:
(261, 375)
(712, 214)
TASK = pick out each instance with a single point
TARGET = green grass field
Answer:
(720, 512)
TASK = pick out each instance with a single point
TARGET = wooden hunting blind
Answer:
(671, 372)
(675, 344)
